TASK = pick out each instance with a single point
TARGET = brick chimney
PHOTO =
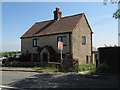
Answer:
(57, 14)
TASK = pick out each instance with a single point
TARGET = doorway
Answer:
(45, 57)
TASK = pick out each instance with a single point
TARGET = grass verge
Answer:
(46, 68)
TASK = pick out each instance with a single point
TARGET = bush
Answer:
(86, 67)
(76, 67)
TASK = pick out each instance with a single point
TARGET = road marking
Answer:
(2, 86)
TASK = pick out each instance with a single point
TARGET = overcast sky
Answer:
(18, 17)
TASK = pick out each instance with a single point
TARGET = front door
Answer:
(45, 57)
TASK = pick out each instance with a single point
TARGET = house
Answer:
(40, 42)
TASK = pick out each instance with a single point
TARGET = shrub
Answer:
(85, 67)
(76, 67)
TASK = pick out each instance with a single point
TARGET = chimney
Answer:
(57, 14)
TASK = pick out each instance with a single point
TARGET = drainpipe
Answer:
(70, 44)
(91, 46)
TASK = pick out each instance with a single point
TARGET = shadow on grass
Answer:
(67, 81)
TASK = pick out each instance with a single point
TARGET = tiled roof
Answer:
(63, 25)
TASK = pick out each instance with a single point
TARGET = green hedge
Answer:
(85, 67)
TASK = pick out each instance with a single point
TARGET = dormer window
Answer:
(35, 42)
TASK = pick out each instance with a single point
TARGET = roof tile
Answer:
(65, 24)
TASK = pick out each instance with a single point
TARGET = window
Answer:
(62, 39)
(35, 42)
(83, 40)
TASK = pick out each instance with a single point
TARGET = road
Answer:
(27, 80)
(9, 77)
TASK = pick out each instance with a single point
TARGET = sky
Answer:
(18, 17)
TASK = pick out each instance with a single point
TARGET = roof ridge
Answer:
(60, 18)
(43, 21)
(72, 15)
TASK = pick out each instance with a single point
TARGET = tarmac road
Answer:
(9, 77)
(27, 80)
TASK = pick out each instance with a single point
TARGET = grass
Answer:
(85, 67)
(53, 68)
(46, 68)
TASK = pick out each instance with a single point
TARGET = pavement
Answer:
(21, 69)
(18, 69)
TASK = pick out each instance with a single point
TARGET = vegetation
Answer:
(22, 62)
(47, 68)
(116, 15)
(111, 1)
(9, 54)
(85, 67)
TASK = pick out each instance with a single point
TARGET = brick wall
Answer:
(81, 52)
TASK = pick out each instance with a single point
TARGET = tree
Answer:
(111, 1)
(116, 15)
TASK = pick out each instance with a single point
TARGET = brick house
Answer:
(40, 41)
